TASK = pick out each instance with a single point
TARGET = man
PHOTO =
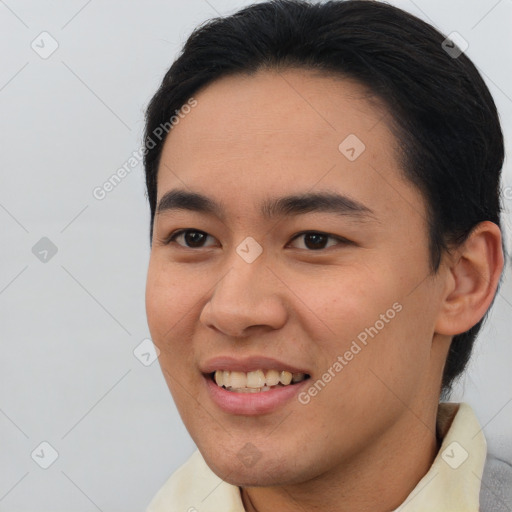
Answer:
(325, 229)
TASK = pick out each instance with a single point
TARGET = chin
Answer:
(256, 470)
(254, 477)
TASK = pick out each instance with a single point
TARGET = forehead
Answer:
(283, 132)
(278, 108)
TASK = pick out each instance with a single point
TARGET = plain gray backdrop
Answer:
(77, 392)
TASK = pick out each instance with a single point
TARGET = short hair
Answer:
(449, 139)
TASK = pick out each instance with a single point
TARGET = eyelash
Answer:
(342, 241)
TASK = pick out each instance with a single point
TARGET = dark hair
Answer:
(449, 138)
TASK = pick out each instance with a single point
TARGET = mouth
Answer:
(256, 381)
(255, 392)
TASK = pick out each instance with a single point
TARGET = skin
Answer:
(366, 439)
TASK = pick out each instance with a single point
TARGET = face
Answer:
(330, 284)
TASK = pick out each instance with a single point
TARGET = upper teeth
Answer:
(256, 379)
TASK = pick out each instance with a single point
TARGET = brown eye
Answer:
(315, 240)
(192, 238)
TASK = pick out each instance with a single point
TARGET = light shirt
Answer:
(452, 483)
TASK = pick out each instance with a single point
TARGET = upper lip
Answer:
(248, 364)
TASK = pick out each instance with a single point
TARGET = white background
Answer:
(68, 327)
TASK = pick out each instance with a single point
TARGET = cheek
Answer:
(343, 302)
(368, 316)
(170, 299)
(169, 290)
(169, 310)
(157, 300)
(385, 347)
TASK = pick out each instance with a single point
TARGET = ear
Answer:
(472, 279)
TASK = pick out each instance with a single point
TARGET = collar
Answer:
(452, 483)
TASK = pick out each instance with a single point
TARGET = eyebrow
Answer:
(298, 204)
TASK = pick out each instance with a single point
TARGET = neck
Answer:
(379, 479)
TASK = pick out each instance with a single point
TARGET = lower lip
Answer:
(252, 404)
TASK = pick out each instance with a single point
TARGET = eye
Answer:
(192, 238)
(316, 240)
(313, 240)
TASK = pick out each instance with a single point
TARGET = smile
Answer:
(255, 381)
(255, 392)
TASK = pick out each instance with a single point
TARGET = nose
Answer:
(247, 297)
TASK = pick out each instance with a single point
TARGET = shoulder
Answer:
(496, 490)
(177, 493)
(189, 489)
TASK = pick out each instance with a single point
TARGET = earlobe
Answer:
(473, 278)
